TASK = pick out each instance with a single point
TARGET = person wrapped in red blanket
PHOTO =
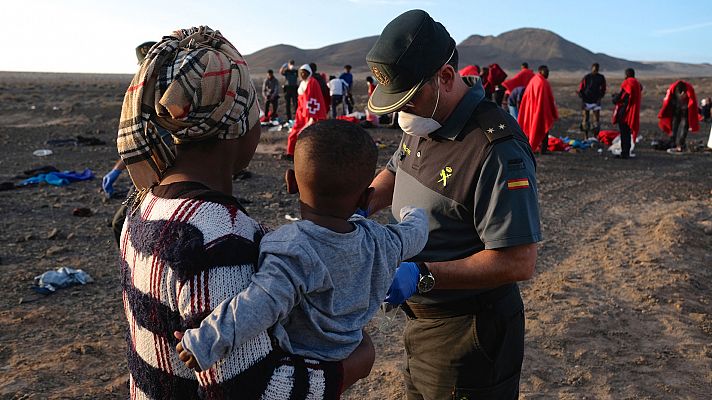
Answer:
(679, 109)
(627, 111)
(311, 107)
(522, 78)
(538, 112)
(493, 83)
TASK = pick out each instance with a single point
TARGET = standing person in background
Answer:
(310, 108)
(494, 83)
(372, 119)
(349, 79)
(521, 79)
(321, 78)
(270, 93)
(537, 112)
(679, 110)
(706, 109)
(291, 83)
(514, 101)
(627, 111)
(591, 90)
(337, 89)
(484, 76)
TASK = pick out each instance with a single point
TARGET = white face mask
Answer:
(416, 125)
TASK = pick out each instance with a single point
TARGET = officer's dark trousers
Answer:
(477, 356)
(680, 118)
(625, 139)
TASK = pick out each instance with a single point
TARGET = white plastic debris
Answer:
(290, 218)
(42, 152)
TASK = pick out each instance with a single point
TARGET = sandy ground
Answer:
(619, 307)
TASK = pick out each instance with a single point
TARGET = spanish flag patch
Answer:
(521, 183)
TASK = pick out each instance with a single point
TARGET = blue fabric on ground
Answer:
(63, 277)
(59, 178)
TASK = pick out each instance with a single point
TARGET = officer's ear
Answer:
(447, 75)
(291, 180)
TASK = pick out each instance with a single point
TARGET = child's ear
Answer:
(291, 179)
(365, 199)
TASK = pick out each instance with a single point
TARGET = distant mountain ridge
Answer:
(509, 50)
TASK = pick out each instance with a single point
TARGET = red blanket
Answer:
(470, 70)
(667, 111)
(606, 136)
(310, 104)
(496, 75)
(349, 119)
(522, 78)
(537, 112)
(632, 111)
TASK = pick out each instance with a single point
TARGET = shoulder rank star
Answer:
(502, 126)
(490, 130)
(445, 173)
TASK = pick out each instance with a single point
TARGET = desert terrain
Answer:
(619, 307)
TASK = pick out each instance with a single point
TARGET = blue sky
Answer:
(100, 36)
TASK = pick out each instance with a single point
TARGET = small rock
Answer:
(104, 378)
(708, 230)
(53, 234)
(71, 235)
(54, 250)
(274, 205)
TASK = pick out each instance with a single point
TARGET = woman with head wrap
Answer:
(187, 244)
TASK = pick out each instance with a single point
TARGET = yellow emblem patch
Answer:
(380, 76)
(406, 150)
(445, 174)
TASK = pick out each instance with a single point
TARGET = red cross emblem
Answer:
(313, 106)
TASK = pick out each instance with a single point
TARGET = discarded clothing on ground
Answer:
(59, 178)
(63, 277)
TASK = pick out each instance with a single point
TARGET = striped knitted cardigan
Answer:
(179, 259)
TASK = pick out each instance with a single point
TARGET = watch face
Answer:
(426, 283)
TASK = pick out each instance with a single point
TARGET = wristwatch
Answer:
(426, 280)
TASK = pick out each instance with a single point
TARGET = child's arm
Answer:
(270, 297)
(411, 233)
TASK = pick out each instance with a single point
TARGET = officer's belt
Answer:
(469, 306)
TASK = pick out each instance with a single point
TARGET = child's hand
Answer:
(185, 355)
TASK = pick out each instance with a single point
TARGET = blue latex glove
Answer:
(405, 283)
(107, 183)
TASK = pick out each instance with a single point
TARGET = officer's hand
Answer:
(107, 183)
(405, 283)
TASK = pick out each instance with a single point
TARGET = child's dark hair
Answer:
(339, 156)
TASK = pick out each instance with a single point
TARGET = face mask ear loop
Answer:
(437, 99)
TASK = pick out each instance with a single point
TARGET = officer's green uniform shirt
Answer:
(475, 177)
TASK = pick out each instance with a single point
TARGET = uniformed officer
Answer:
(466, 162)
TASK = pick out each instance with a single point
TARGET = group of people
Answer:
(530, 100)
(281, 314)
(311, 94)
(218, 306)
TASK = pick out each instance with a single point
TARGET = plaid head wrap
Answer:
(195, 84)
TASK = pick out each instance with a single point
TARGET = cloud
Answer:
(670, 31)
